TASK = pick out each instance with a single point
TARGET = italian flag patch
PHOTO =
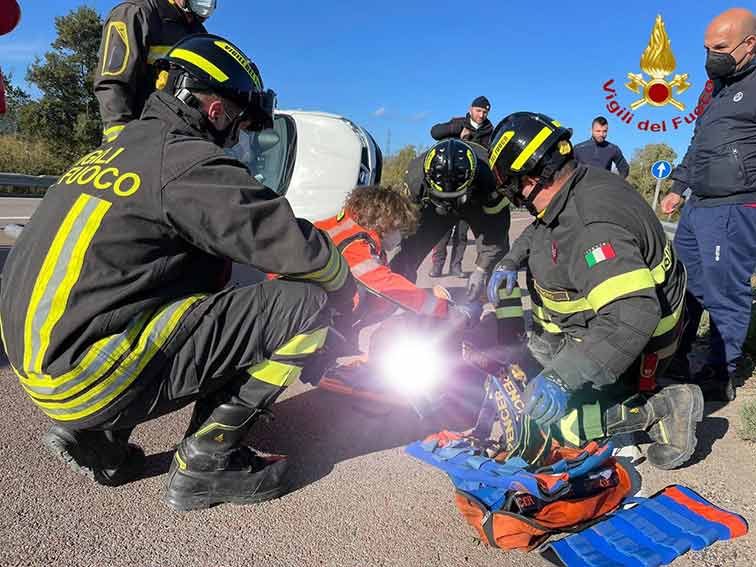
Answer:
(603, 251)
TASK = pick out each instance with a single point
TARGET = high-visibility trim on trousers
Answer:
(121, 375)
(280, 370)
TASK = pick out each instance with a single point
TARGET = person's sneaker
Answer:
(105, 457)
(456, 271)
(436, 272)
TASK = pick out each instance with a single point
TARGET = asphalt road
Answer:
(359, 500)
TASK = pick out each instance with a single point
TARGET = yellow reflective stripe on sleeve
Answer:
(155, 335)
(530, 149)
(566, 307)
(542, 318)
(275, 373)
(496, 208)
(72, 270)
(516, 293)
(111, 133)
(306, 343)
(331, 276)
(617, 286)
(569, 427)
(204, 64)
(156, 52)
(668, 323)
(508, 312)
(659, 273)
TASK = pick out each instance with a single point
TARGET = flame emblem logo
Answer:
(658, 62)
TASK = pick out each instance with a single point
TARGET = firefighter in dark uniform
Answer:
(612, 293)
(452, 182)
(135, 35)
(113, 305)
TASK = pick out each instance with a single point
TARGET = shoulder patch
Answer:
(599, 253)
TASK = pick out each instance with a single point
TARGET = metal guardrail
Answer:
(20, 180)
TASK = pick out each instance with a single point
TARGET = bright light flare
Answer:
(411, 366)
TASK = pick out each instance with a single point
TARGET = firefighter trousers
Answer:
(250, 344)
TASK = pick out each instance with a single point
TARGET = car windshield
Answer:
(269, 154)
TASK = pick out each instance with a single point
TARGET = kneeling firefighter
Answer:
(113, 304)
(452, 182)
(612, 293)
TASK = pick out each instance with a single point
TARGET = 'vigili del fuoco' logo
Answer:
(658, 63)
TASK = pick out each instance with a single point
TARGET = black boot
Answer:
(104, 456)
(716, 382)
(456, 271)
(670, 417)
(213, 466)
(436, 271)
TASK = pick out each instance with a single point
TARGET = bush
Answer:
(747, 429)
(31, 157)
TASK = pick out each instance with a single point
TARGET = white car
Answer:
(313, 158)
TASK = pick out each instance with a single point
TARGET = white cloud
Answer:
(380, 111)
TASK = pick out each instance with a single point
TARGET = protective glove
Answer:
(341, 302)
(476, 283)
(503, 273)
(547, 398)
(465, 315)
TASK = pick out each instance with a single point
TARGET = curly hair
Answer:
(382, 209)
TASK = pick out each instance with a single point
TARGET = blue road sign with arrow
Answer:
(661, 169)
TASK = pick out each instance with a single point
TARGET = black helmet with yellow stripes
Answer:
(528, 143)
(205, 62)
(449, 169)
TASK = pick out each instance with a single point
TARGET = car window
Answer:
(269, 154)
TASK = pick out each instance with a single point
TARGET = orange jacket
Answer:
(362, 249)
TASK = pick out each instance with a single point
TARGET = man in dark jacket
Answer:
(135, 35)
(113, 305)
(611, 289)
(597, 152)
(716, 236)
(475, 127)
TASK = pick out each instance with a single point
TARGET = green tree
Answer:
(640, 169)
(395, 166)
(15, 99)
(67, 115)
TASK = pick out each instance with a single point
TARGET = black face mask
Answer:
(229, 136)
(722, 65)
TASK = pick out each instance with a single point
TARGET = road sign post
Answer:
(661, 170)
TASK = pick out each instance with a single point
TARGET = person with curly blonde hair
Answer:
(371, 224)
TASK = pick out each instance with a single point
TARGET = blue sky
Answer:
(402, 66)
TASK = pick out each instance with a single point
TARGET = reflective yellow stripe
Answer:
(333, 275)
(306, 343)
(155, 335)
(180, 461)
(516, 293)
(592, 421)
(73, 267)
(496, 208)
(156, 52)
(207, 66)
(112, 133)
(659, 273)
(570, 428)
(617, 286)
(668, 323)
(530, 149)
(566, 307)
(120, 29)
(542, 318)
(508, 312)
(275, 373)
(52, 269)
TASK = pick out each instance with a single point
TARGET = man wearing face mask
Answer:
(716, 236)
(135, 35)
(114, 308)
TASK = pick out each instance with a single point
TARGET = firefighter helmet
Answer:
(528, 143)
(449, 169)
(205, 62)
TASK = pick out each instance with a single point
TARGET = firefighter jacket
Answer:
(486, 210)
(126, 250)
(607, 278)
(367, 261)
(136, 33)
(720, 163)
(453, 129)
